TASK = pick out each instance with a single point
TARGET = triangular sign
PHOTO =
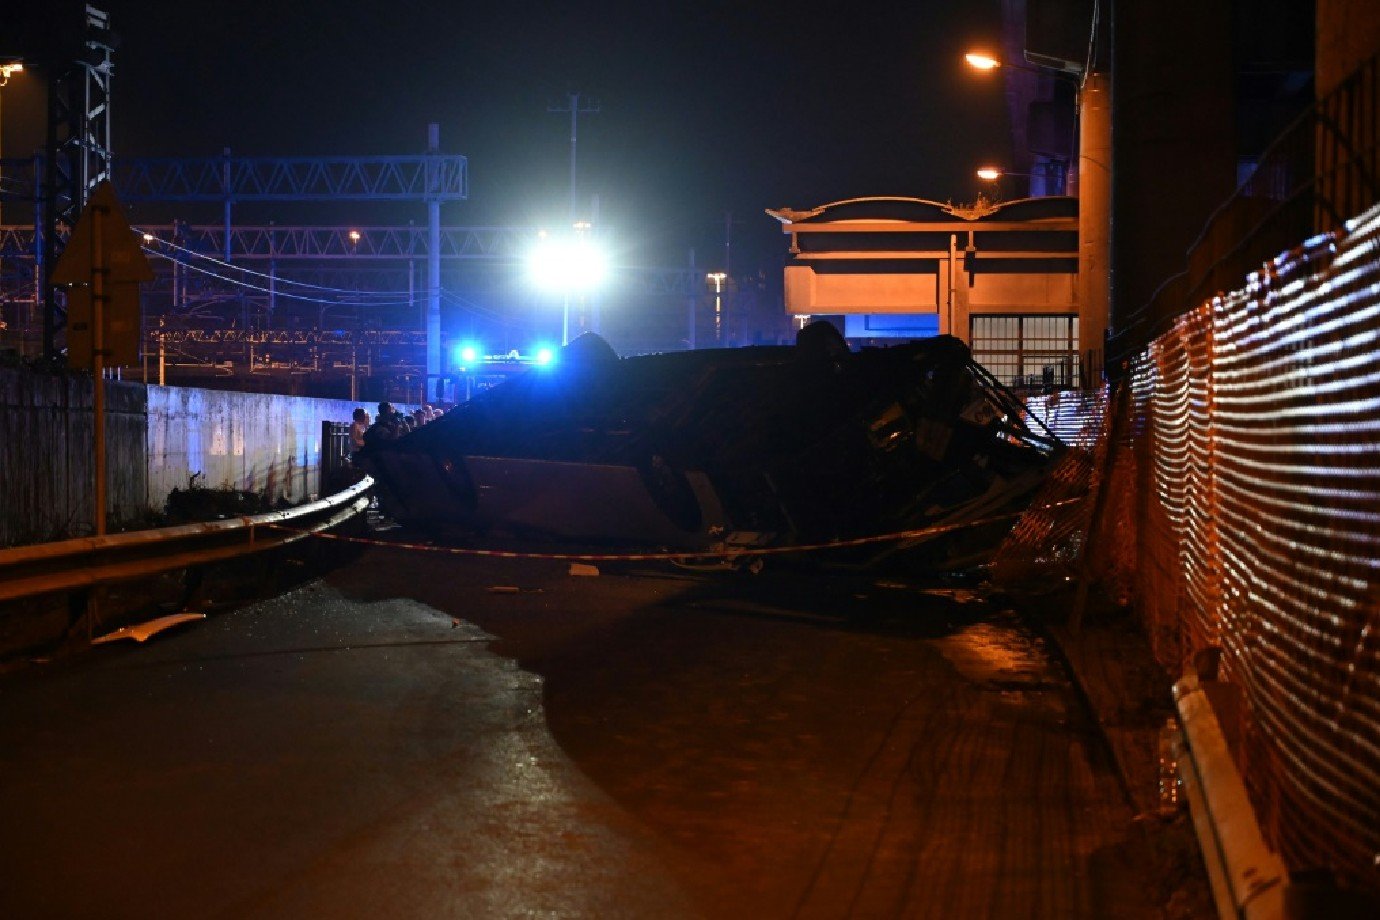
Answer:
(122, 256)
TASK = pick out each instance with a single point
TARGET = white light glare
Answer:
(566, 265)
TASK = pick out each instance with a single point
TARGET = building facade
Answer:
(1001, 277)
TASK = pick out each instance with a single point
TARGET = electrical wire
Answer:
(362, 296)
(452, 297)
(250, 271)
(363, 302)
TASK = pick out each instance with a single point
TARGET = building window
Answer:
(1029, 353)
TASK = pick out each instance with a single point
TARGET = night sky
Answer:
(706, 108)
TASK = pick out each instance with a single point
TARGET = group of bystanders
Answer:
(389, 425)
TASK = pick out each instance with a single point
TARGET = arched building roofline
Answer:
(903, 209)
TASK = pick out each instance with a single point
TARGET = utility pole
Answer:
(431, 388)
(575, 109)
(728, 242)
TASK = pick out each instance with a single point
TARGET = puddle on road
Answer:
(1001, 654)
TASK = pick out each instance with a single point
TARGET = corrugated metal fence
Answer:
(47, 466)
(1241, 511)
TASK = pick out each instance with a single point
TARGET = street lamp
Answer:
(981, 60)
(994, 175)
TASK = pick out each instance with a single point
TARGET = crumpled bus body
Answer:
(770, 445)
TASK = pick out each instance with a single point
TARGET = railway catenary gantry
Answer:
(432, 179)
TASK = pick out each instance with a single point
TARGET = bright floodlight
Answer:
(990, 173)
(545, 356)
(468, 354)
(981, 60)
(567, 265)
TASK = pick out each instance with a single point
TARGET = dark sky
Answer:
(706, 107)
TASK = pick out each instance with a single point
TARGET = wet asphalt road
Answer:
(397, 740)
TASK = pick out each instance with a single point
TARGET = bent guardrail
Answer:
(88, 562)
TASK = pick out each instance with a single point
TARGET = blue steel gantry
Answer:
(432, 179)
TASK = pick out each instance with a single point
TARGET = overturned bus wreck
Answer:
(707, 450)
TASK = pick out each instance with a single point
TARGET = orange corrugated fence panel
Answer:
(1242, 511)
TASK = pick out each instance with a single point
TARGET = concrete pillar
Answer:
(1094, 221)
(1173, 143)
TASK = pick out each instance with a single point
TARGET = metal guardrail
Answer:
(87, 562)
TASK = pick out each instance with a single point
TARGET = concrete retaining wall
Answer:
(257, 442)
(156, 439)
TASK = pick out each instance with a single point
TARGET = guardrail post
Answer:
(84, 612)
(1248, 878)
(192, 587)
(78, 605)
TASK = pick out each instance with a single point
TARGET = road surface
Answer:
(398, 739)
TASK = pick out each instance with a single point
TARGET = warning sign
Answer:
(102, 259)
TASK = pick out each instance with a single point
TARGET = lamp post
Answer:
(6, 71)
(1068, 72)
(1092, 178)
(717, 279)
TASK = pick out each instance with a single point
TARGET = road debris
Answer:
(142, 632)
